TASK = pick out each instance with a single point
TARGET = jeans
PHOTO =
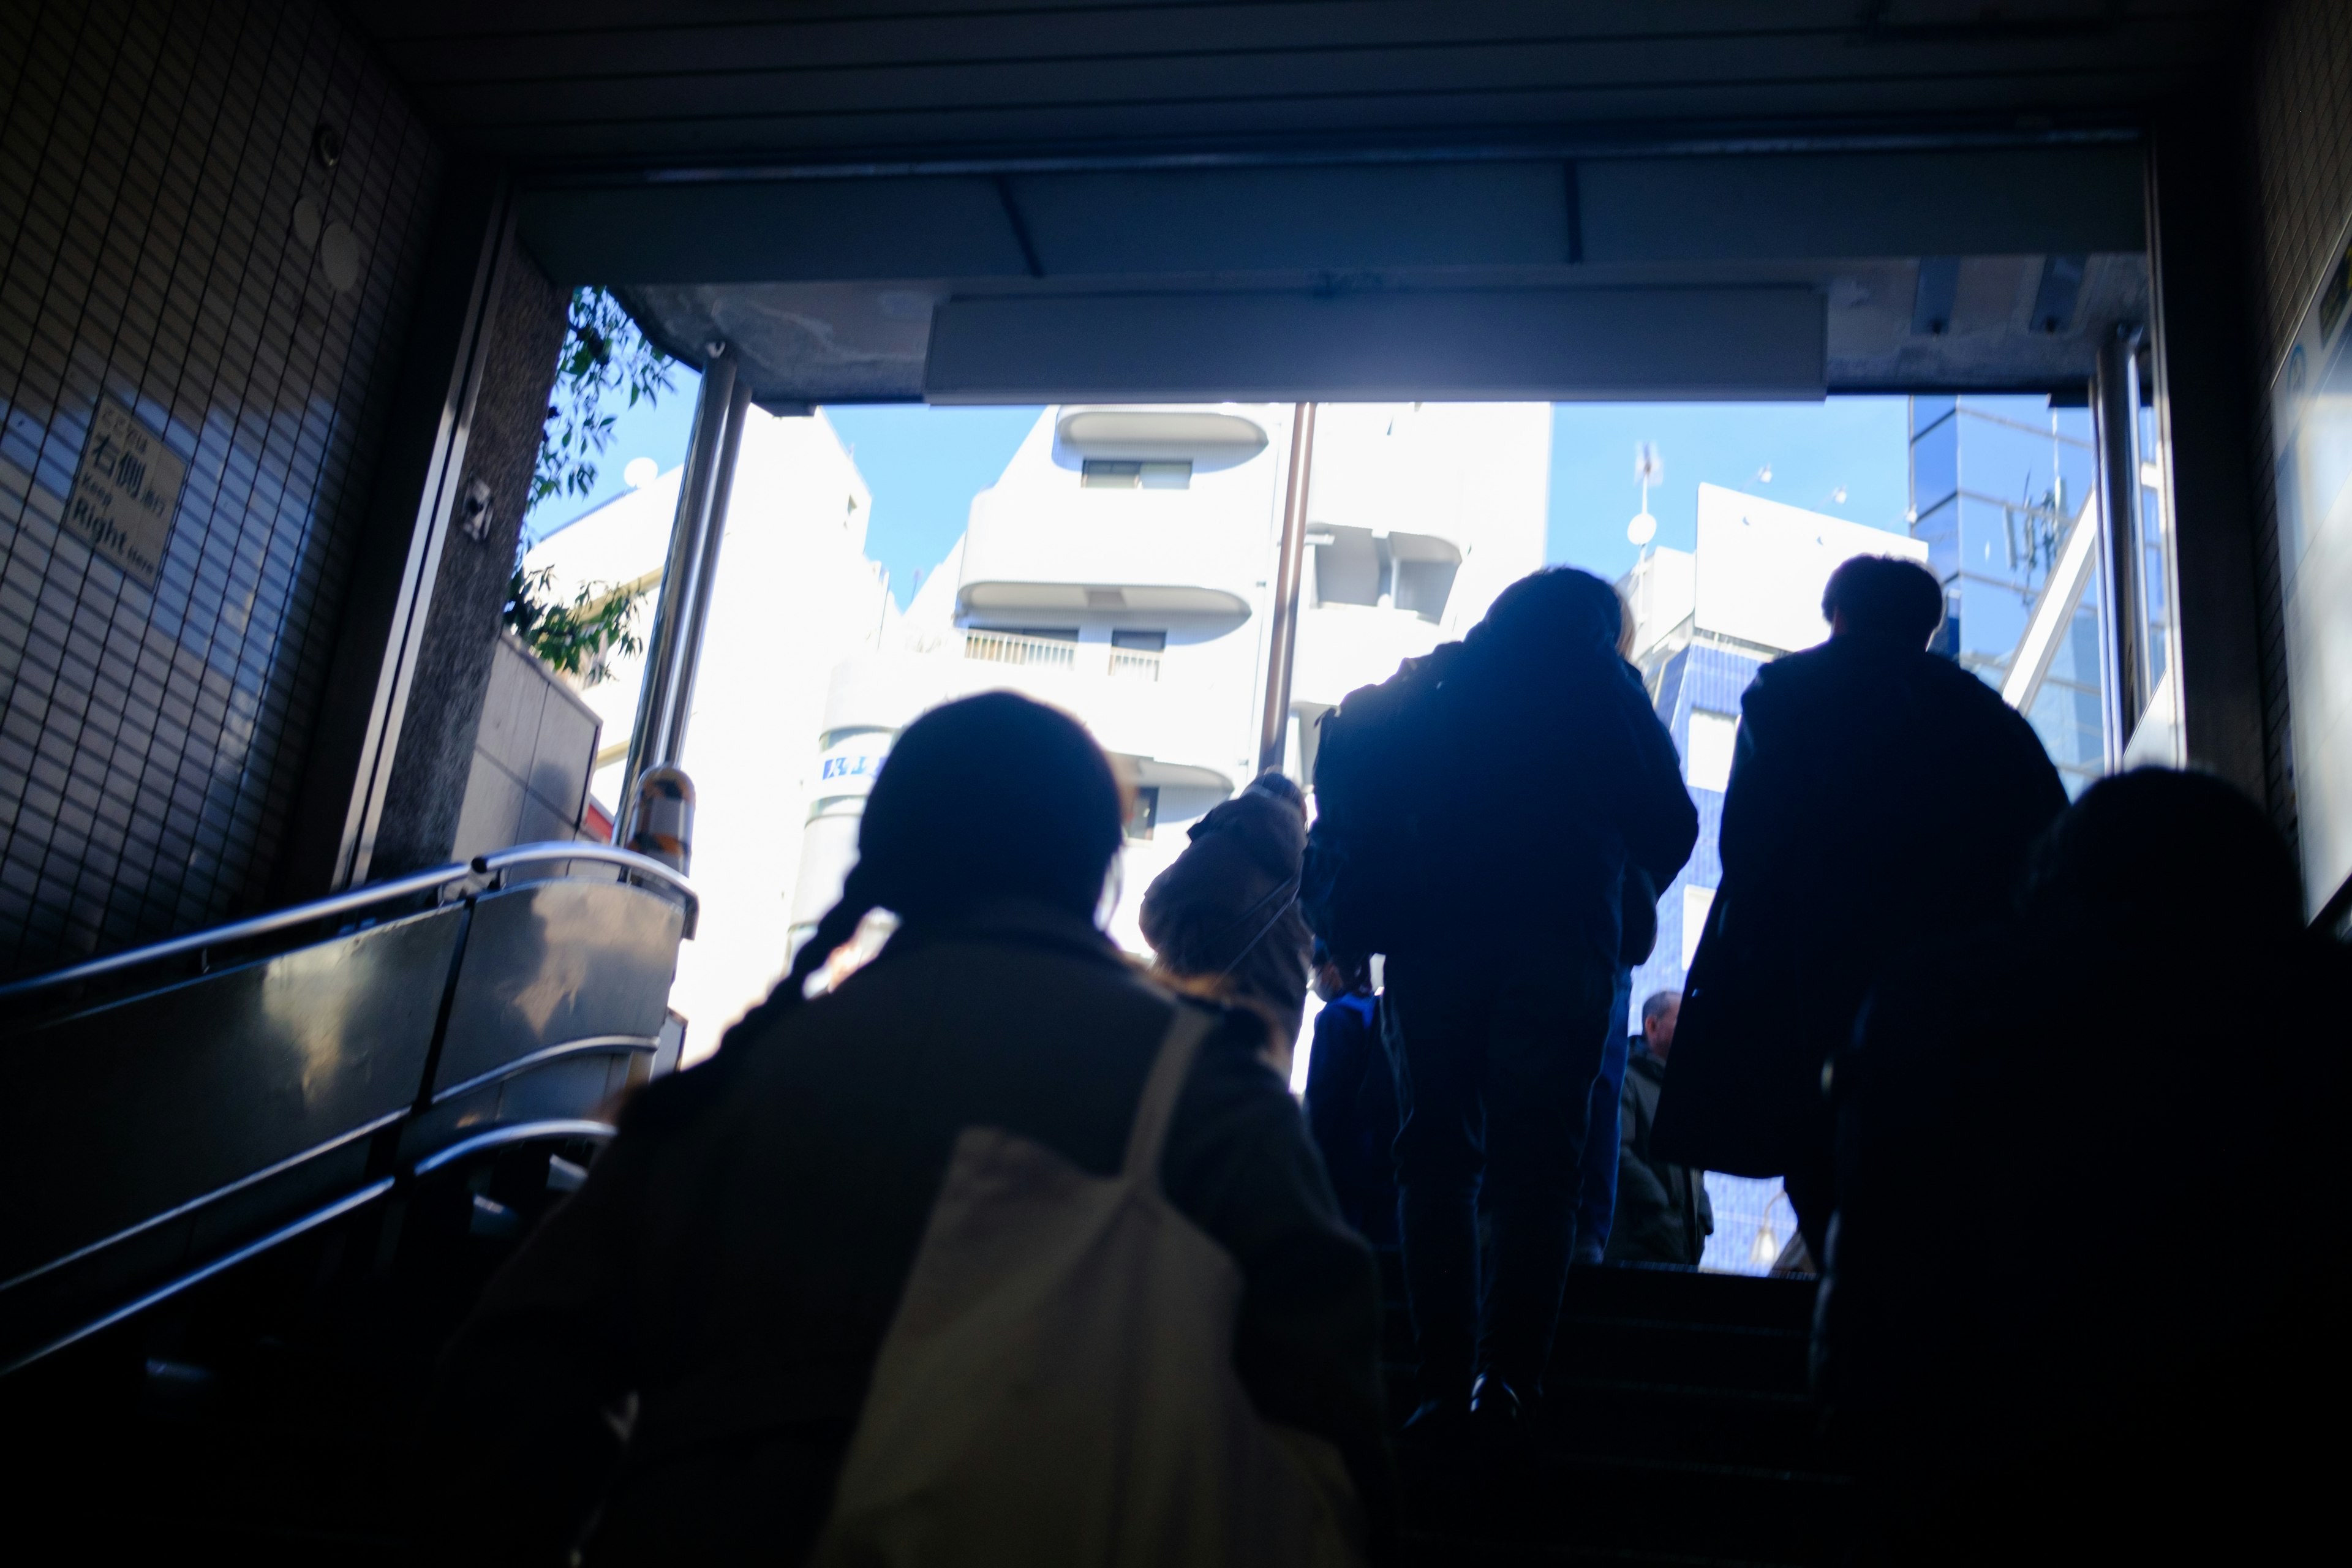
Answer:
(1596, 1207)
(1498, 1052)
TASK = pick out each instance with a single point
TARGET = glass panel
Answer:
(1992, 622)
(1926, 411)
(2154, 578)
(1707, 763)
(1935, 466)
(1941, 530)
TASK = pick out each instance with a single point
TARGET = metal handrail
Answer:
(221, 1264)
(604, 854)
(353, 901)
(593, 1045)
(514, 1132)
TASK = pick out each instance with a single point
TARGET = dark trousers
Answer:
(1498, 1054)
(1596, 1204)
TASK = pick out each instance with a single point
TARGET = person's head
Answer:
(1883, 599)
(991, 798)
(1658, 1015)
(2183, 851)
(1332, 980)
(1559, 607)
(1626, 627)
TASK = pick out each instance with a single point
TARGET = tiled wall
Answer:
(170, 241)
(2302, 143)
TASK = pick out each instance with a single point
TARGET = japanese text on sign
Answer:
(125, 492)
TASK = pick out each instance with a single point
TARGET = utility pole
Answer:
(1283, 646)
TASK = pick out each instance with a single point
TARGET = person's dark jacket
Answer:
(1880, 795)
(1549, 775)
(2093, 1370)
(720, 1288)
(1663, 1213)
(1351, 1108)
(1228, 909)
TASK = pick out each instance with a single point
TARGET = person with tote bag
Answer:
(998, 1253)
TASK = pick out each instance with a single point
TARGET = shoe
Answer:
(1496, 1412)
(1444, 1421)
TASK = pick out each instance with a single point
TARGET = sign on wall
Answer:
(126, 492)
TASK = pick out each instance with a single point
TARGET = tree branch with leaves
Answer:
(605, 356)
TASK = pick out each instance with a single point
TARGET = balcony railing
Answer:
(1056, 653)
(1135, 663)
(1010, 647)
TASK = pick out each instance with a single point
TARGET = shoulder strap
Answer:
(1157, 1108)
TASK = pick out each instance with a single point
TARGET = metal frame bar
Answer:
(226, 1261)
(366, 1130)
(369, 690)
(706, 570)
(607, 1045)
(1532, 150)
(2114, 400)
(513, 1132)
(668, 646)
(1282, 640)
(356, 900)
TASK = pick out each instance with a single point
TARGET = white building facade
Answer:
(1123, 568)
(795, 594)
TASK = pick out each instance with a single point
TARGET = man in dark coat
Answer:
(1663, 1213)
(1881, 796)
(2134, 1378)
(1551, 775)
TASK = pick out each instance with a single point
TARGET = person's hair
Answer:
(1886, 596)
(1657, 1002)
(993, 796)
(1281, 786)
(1626, 626)
(1556, 605)
(2184, 846)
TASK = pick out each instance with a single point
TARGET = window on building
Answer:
(1154, 642)
(1118, 474)
(1145, 816)
(1706, 757)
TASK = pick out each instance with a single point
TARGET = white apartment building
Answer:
(1123, 567)
(793, 595)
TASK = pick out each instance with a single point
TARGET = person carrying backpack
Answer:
(1478, 814)
(999, 1252)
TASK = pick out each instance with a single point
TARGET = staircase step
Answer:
(1558, 1504)
(1596, 1418)
(1680, 1353)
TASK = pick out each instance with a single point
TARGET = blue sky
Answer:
(924, 466)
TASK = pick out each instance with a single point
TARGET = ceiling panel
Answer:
(636, 81)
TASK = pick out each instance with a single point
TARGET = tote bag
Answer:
(1057, 1386)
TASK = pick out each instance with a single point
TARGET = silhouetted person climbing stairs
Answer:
(1676, 1428)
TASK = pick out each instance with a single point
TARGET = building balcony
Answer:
(1057, 653)
(1123, 696)
(1141, 557)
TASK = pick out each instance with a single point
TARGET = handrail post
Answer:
(1283, 643)
(668, 645)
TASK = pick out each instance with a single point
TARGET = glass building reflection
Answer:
(1998, 484)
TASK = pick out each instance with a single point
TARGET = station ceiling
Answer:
(1160, 199)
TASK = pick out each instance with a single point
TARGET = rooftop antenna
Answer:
(1647, 469)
